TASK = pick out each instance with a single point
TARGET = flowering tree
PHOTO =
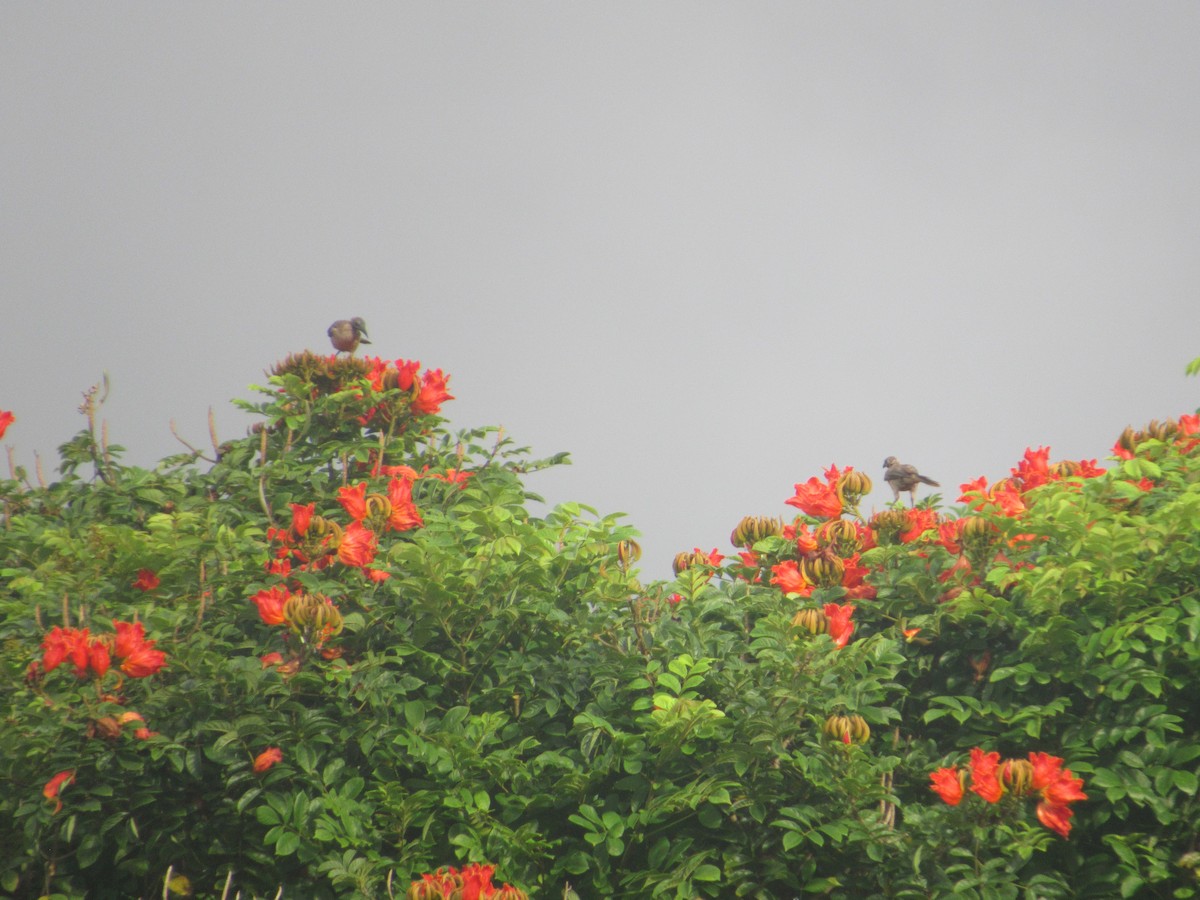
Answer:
(339, 656)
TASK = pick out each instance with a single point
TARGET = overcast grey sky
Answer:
(708, 248)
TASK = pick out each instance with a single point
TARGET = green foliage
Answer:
(488, 685)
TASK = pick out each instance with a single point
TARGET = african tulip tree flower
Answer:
(840, 626)
(985, 775)
(404, 515)
(406, 372)
(354, 500)
(302, 517)
(358, 545)
(55, 785)
(62, 644)
(815, 499)
(790, 579)
(432, 394)
(146, 580)
(6, 419)
(139, 658)
(1055, 817)
(270, 604)
(267, 758)
(947, 783)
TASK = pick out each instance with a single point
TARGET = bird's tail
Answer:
(929, 481)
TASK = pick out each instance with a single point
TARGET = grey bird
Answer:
(903, 477)
(347, 334)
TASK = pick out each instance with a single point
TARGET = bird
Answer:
(902, 477)
(347, 334)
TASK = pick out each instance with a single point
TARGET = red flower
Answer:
(140, 659)
(6, 419)
(267, 758)
(144, 661)
(1055, 817)
(270, 604)
(433, 393)
(1064, 789)
(146, 580)
(302, 517)
(1034, 469)
(816, 499)
(806, 541)
(790, 579)
(271, 659)
(1046, 769)
(1187, 424)
(405, 515)
(451, 476)
(840, 626)
(98, 658)
(354, 500)
(55, 784)
(919, 521)
(947, 783)
(406, 370)
(61, 644)
(985, 780)
(358, 545)
(972, 488)
(950, 534)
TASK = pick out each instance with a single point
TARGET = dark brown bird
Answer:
(347, 334)
(903, 477)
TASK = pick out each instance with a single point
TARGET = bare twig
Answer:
(198, 453)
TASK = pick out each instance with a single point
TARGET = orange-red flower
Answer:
(146, 580)
(144, 661)
(985, 775)
(358, 545)
(790, 579)
(433, 393)
(405, 515)
(919, 521)
(302, 517)
(406, 371)
(270, 604)
(6, 419)
(840, 626)
(947, 783)
(139, 658)
(55, 785)
(1056, 817)
(816, 499)
(354, 500)
(267, 758)
(61, 644)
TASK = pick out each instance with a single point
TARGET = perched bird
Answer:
(347, 334)
(903, 477)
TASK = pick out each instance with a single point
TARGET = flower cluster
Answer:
(422, 396)
(1184, 433)
(992, 778)
(1007, 496)
(136, 655)
(6, 419)
(470, 883)
(313, 542)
